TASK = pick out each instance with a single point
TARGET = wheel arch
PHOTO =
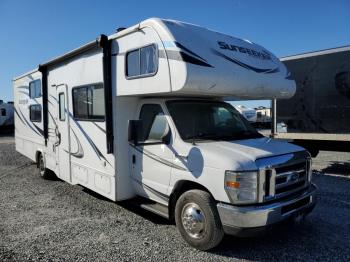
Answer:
(38, 153)
(181, 187)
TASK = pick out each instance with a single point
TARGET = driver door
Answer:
(151, 160)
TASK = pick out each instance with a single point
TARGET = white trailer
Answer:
(140, 115)
(248, 113)
(6, 115)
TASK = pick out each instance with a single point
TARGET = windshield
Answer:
(209, 120)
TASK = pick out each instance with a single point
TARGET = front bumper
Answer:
(249, 220)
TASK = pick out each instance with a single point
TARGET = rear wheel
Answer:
(198, 220)
(43, 171)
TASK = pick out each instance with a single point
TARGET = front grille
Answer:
(282, 181)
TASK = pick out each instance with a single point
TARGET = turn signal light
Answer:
(232, 184)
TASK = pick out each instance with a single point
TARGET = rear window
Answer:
(35, 89)
(35, 113)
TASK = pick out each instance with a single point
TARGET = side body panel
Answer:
(28, 134)
(91, 166)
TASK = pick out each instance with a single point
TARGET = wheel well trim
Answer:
(179, 188)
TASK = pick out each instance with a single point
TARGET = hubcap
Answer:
(41, 166)
(193, 220)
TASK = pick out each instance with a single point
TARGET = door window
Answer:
(148, 115)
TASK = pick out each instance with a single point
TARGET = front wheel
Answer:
(197, 219)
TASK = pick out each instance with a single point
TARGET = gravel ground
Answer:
(43, 220)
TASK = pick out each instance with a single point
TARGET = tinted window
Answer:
(89, 102)
(35, 113)
(133, 63)
(35, 89)
(210, 120)
(142, 61)
(147, 115)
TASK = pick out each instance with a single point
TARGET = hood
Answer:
(241, 154)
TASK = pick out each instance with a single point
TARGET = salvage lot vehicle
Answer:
(140, 115)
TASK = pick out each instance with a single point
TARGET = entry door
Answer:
(151, 163)
(62, 133)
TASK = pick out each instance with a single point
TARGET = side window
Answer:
(148, 114)
(35, 89)
(3, 112)
(35, 113)
(133, 63)
(142, 62)
(89, 102)
(61, 102)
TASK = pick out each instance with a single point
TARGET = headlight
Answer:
(242, 187)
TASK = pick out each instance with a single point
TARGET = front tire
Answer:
(197, 219)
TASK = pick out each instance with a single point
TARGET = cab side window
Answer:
(148, 115)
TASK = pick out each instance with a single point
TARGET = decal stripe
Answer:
(156, 192)
(181, 56)
(189, 51)
(19, 116)
(237, 62)
(26, 122)
(80, 151)
(104, 131)
(39, 129)
(92, 144)
(157, 158)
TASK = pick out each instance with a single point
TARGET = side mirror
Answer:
(160, 130)
(135, 129)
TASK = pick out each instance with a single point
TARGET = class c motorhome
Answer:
(140, 115)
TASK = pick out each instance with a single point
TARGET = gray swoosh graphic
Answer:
(80, 151)
(158, 158)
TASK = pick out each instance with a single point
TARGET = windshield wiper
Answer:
(203, 136)
(247, 134)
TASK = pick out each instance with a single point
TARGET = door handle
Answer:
(133, 159)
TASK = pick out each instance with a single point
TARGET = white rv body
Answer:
(190, 63)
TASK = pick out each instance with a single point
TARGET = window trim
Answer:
(144, 75)
(88, 119)
(41, 92)
(30, 110)
(59, 107)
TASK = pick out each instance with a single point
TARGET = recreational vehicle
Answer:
(6, 116)
(140, 115)
(248, 113)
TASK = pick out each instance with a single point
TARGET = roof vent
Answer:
(119, 29)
